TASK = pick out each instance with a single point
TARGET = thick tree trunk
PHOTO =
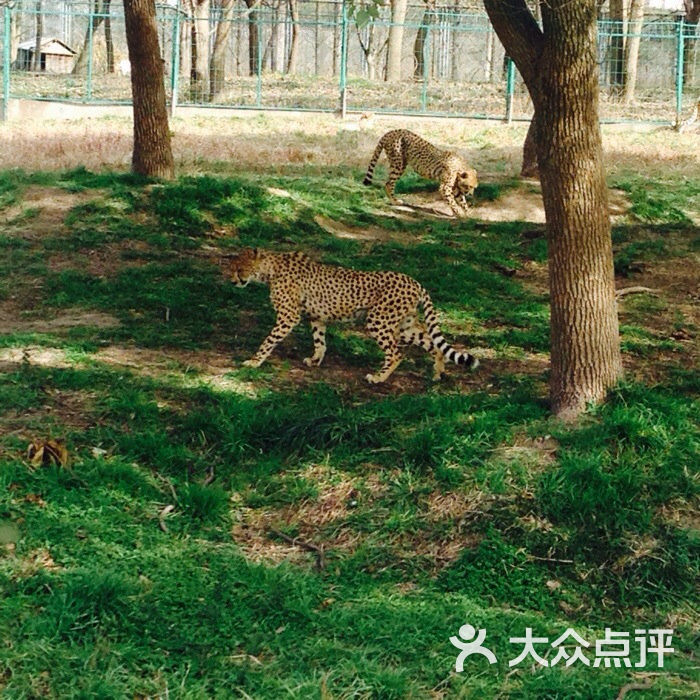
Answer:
(559, 68)
(253, 40)
(530, 168)
(152, 154)
(199, 77)
(636, 19)
(395, 46)
(294, 46)
(217, 69)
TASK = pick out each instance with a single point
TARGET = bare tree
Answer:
(636, 20)
(370, 48)
(617, 44)
(152, 155)
(217, 68)
(97, 16)
(294, 45)
(558, 65)
(421, 36)
(199, 75)
(691, 19)
(395, 45)
(39, 28)
(253, 38)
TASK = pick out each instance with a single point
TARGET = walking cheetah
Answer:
(404, 148)
(329, 293)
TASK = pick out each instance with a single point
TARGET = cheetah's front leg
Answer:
(282, 328)
(447, 194)
(319, 332)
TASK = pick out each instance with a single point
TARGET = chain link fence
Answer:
(306, 55)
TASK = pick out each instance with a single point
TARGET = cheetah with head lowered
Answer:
(404, 148)
(329, 293)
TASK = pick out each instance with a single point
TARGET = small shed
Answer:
(56, 56)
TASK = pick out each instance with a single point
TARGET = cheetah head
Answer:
(466, 182)
(244, 267)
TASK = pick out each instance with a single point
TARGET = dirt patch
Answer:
(366, 233)
(51, 206)
(14, 320)
(105, 261)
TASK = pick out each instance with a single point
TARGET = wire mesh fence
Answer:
(312, 55)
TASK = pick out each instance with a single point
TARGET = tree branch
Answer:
(519, 33)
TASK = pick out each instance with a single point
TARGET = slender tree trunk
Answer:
(421, 37)
(636, 19)
(186, 43)
(336, 37)
(217, 69)
(199, 77)
(81, 61)
(395, 46)
(39, 28)
(558, 65)
(691, 19)
(15, 29)
(617, 44)
(152, 154)
(253, 41)
(109, 41)
(294, 46)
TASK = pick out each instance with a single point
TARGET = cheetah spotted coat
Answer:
(298, 285)
(404, 148)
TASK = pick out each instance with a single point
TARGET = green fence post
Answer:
(175, 64)
(258, 88)
(510, 85)
(89, 65)
(343, 105)
(679, 70)
(6, 64)
(426, 69)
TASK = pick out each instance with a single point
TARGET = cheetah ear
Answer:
(464, 174)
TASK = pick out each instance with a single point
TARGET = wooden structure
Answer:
(56, 56)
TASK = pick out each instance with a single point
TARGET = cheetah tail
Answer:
(375, 157)
(459, 358)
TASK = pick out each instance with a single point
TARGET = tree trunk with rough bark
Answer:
(636, 19)
(152, 154)
(217, 68)
(395, 46)
(558, 65)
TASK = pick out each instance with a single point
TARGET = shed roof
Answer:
(49, 45)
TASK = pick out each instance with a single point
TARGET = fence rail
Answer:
(307, 55)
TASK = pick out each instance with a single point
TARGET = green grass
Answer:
(437, 504)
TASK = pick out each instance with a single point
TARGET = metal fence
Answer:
(307, 55)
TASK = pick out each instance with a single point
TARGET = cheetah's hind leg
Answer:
(319, 333)
(387, 339)
(415, 333)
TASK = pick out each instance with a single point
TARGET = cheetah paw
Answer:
(252, 363)
(373, 379)
(311, 362)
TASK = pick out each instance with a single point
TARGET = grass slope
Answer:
(436, 504)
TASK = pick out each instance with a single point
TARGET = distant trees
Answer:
(395, 40)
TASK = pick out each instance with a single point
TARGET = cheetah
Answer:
(330, 293)
(404, 148)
